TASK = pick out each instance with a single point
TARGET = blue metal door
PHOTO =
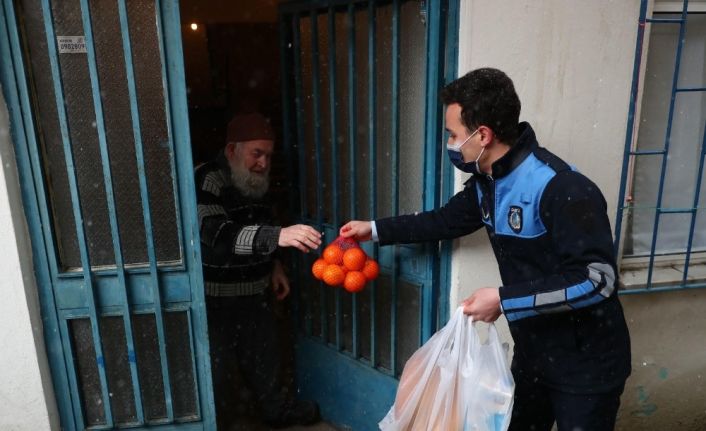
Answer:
(99, 120)
(363, 130)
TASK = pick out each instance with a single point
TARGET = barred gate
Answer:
(363, 131)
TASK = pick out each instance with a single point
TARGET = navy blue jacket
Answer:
(552, 239)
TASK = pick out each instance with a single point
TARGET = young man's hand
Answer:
(301, 236)
(483, 304)
(358, 230)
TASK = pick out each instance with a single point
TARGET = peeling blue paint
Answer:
(663, 373)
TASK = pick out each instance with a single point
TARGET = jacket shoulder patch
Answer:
(514, 218)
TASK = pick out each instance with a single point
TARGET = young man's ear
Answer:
(487, 136)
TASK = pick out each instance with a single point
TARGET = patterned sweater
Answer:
(238, 235)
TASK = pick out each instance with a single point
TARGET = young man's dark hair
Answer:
(487, 97)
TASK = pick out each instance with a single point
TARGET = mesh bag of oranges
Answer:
(344, 263)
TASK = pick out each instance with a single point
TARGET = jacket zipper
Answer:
(493, 207)
(491, 200)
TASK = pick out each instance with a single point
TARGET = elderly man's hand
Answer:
(301, 236)
(359, 230)
(280, 282)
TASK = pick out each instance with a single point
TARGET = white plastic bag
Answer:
(489, 397)
(454, 382)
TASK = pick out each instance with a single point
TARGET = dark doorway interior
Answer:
(232, 64)
(231, 57)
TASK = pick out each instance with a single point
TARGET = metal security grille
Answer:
(99, 124)
(661, 213)
(347, 132)
(363, 133)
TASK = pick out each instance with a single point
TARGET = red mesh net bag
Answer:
(345, 243)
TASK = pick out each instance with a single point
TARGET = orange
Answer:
(354, 282)
(371, 270)
(318, 268)
(354, 259)
(333, 275)
(333, 255)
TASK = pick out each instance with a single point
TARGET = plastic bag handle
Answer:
(469, 345)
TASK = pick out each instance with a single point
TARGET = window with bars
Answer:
(661, 225)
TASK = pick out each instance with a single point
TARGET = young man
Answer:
(239, 238)
(551, 236)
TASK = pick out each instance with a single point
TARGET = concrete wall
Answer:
(26, 394)
(667, 389)
(572, 66)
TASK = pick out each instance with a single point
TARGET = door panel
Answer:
(82, 127)
(360, 78)
(102, 143)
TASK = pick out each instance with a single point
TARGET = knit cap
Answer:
(249, 127)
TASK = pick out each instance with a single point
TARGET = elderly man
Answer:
(239, 243)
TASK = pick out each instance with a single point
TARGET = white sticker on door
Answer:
(71, 44)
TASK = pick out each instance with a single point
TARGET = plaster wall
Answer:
(26, 394)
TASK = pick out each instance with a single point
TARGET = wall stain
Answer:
(646, 408)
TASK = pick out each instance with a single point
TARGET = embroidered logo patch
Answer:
(514, 219)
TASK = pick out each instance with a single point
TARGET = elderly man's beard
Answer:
(250, 184)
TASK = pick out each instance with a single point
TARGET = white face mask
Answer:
(456, 157)
(457, 146)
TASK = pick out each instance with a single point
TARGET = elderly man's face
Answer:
(250, 165)
(255, 155)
